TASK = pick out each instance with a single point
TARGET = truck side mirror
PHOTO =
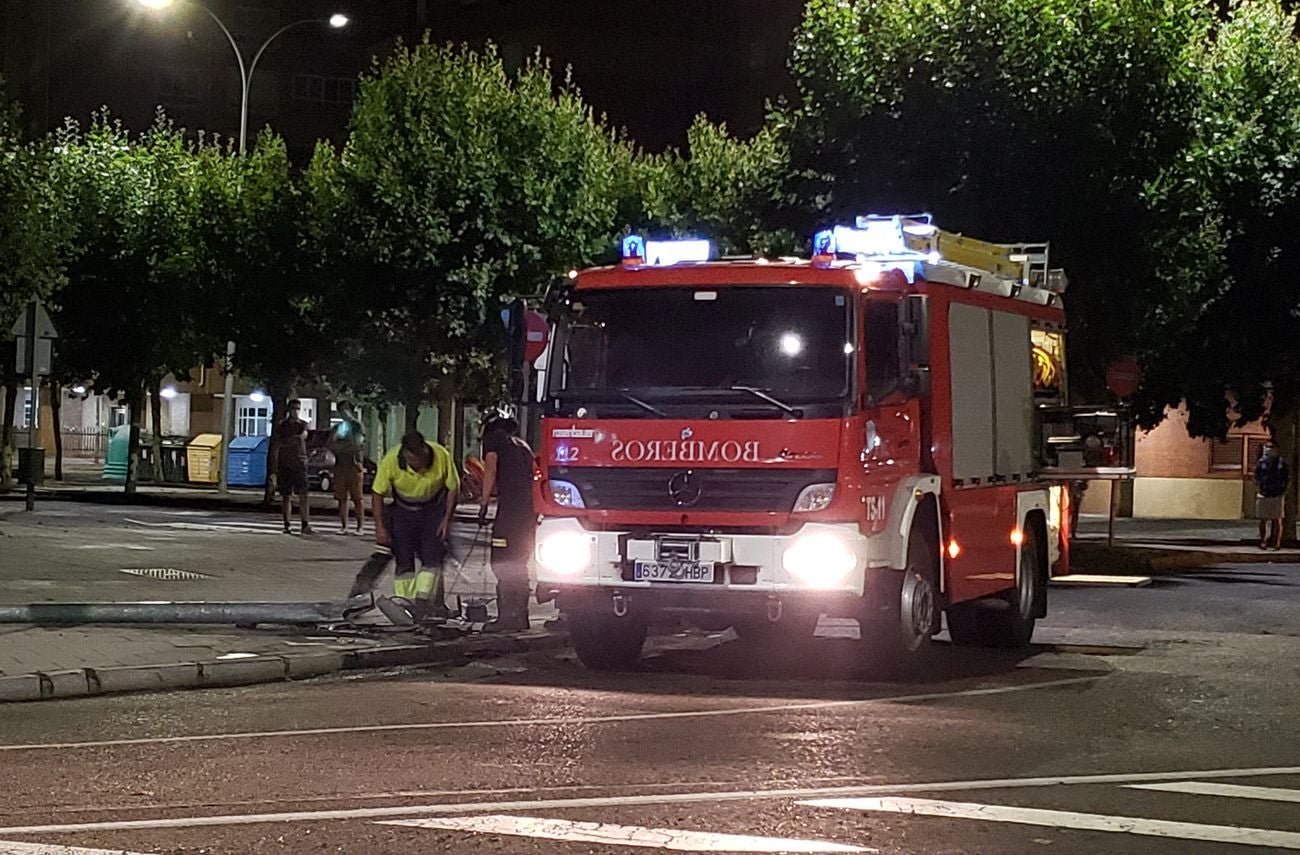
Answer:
(517, 339)
(914, 344)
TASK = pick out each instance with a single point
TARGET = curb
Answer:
(1153, 561)
(254, 670)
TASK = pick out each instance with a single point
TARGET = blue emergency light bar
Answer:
(662, 253)
(875, 237)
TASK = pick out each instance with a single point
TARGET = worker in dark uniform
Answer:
(508, 467)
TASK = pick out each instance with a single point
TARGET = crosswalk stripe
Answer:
(1070, 820)
(1232, 791)
(11, 848)
(675, 839)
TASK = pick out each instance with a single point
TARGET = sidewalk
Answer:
(73, 550)
(83, 481)
(1169, 545)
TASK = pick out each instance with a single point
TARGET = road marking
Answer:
(675, 840)
(241, 527)
(1101, 581)
(11, 848)
(557, 720)
(689, 798)
(132, 546)
(1232, 791)
(1070, 820)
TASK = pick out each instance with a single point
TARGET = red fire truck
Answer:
(876, 432)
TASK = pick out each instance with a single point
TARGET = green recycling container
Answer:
(119, 442)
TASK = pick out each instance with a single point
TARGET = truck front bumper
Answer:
(822, 567)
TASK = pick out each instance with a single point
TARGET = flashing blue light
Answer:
(823, 243)
(633, 247)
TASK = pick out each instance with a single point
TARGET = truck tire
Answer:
(902, 613)
(1004, 621)
(605, 642)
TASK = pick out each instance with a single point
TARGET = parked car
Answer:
(320, 470)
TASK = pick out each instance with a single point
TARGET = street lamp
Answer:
(337, 21)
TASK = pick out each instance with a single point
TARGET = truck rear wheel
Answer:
(606, 642)
(1003, 621)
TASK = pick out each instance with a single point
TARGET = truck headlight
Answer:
(565, 552)
(820, 559)
(565, 494)
(814, 497)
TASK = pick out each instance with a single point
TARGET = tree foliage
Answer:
(1223, 332)
(463, 185)
(130, 312)
(1012, 120)
(722, 187)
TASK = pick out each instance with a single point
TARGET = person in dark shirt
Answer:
(1271, 478)
(508, 467)
(290, 441)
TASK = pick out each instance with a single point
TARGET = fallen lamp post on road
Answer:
(239, 613)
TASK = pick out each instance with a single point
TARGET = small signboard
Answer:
(40, 352)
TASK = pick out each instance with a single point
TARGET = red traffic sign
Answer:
(1123, 377)
(537, 334)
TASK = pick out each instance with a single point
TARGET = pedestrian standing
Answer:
(1272, 475)
(508, 467)
(413, 500)
(290, 441)
(347, 444)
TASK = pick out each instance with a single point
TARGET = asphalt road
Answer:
(82, 551)
(1164, 719)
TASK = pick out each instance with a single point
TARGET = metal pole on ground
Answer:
(1110, 518)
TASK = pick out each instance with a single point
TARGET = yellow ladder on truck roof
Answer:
(1027, 263)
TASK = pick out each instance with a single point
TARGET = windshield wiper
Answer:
(759, 393)
(649, 408)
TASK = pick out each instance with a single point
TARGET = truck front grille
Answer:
(667, 489)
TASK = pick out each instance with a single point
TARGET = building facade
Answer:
(1185, 477)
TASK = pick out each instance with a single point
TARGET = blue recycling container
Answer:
(247, 461)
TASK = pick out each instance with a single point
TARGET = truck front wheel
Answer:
(902, 609)
(606, 642)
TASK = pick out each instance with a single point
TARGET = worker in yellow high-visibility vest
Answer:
(414, 498)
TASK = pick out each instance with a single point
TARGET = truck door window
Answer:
(880, 330)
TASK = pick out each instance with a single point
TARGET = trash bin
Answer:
(174, 459)
(204, 458)
(119, 442)
(144, 467)
(247, 461)
(31, 466)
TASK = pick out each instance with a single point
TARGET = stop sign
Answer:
(1123, 377)
(537, 332)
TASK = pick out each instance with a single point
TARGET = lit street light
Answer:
(337, 21)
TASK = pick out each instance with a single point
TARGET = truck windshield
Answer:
(727, 344)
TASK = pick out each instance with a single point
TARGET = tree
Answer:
(1225, 333)
(33, 235)
(261, 264)
(461, 186)
(1012, 120)
(128, 315)
(725, 188)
